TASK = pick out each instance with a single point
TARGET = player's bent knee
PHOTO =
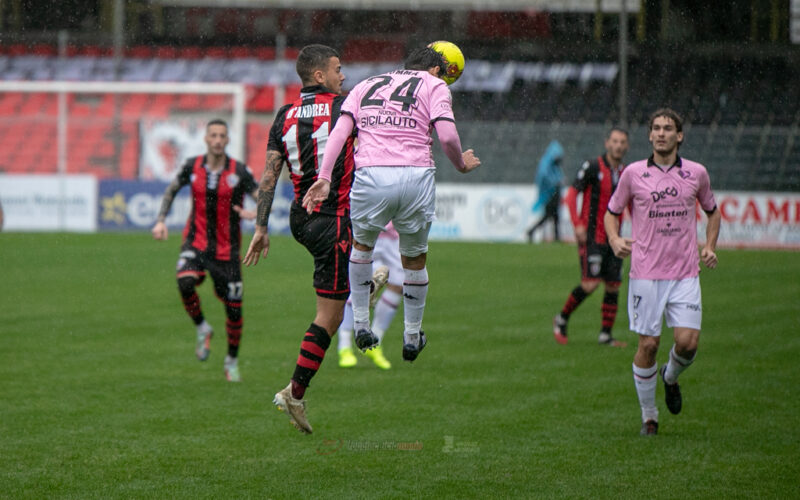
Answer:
(233, 312)
(590, 286)
(186, 284)
(414, 263)
(648, 344)
(362, 247)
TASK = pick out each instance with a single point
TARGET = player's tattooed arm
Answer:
(266, 188)
(169, 197)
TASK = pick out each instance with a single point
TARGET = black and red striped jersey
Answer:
(213, 225)
(300, 132)
(597, 181)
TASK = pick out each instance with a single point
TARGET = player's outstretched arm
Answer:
(159, 230)
(708, 253)
(451, 145)
(259, 245)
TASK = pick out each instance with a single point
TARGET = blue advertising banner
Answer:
(125, 205)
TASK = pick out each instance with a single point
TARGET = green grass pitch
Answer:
(101, 395)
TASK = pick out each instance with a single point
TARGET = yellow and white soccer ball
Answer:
(454, 58)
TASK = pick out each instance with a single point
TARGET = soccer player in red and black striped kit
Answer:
(212, 237)
(298, 138)
(596, 181)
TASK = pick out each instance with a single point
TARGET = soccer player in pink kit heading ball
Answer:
(394, 115)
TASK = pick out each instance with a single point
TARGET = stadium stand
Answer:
(742, 112)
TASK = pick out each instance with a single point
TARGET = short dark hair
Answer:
(616, 129)
(424, 58)
(217, 121)
(666, 113)
(312, 58)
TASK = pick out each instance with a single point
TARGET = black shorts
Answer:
(598, 262)
(328, 239)
(226, 274)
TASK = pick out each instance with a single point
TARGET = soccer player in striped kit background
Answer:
(212, 237)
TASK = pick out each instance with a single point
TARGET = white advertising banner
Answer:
(502, 212)
(49, 202)
(758, 220)
(493, 212)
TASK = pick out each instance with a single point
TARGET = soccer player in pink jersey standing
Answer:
(394, 115)
(662, 192)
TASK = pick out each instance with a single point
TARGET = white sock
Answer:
(346, 328)
(360, 281)
(415, 289)
(203, 329)
(645, 380)
(676, 365)
(384, 312)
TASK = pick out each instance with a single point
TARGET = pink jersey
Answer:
(394, 113)
(662, 205)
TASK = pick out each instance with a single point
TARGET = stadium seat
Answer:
(262, 100)
(264, 53)
(257, 137)
(292, 93)
(190, 52)
(240, 52)
(215, 52)
(140, 52)
(166, 52)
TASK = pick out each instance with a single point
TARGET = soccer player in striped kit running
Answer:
(297, 138)
(662, 193)
(212, 237)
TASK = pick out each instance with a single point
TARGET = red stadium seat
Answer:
(257, 135)
(240, 52)
(292, 93)
(187, 102)
(41, 49)
(34, 104)
(95, 51)
(160, 105)
(190, 52)
(216, 52)
(372, 49)
(264, 53)
(214, 101)
(263, 99)
(166, 52)
(17, 49)
(10, 102)
(140, 52)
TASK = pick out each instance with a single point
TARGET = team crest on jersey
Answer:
(685, 174)
(595, 263)
(232, 180)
